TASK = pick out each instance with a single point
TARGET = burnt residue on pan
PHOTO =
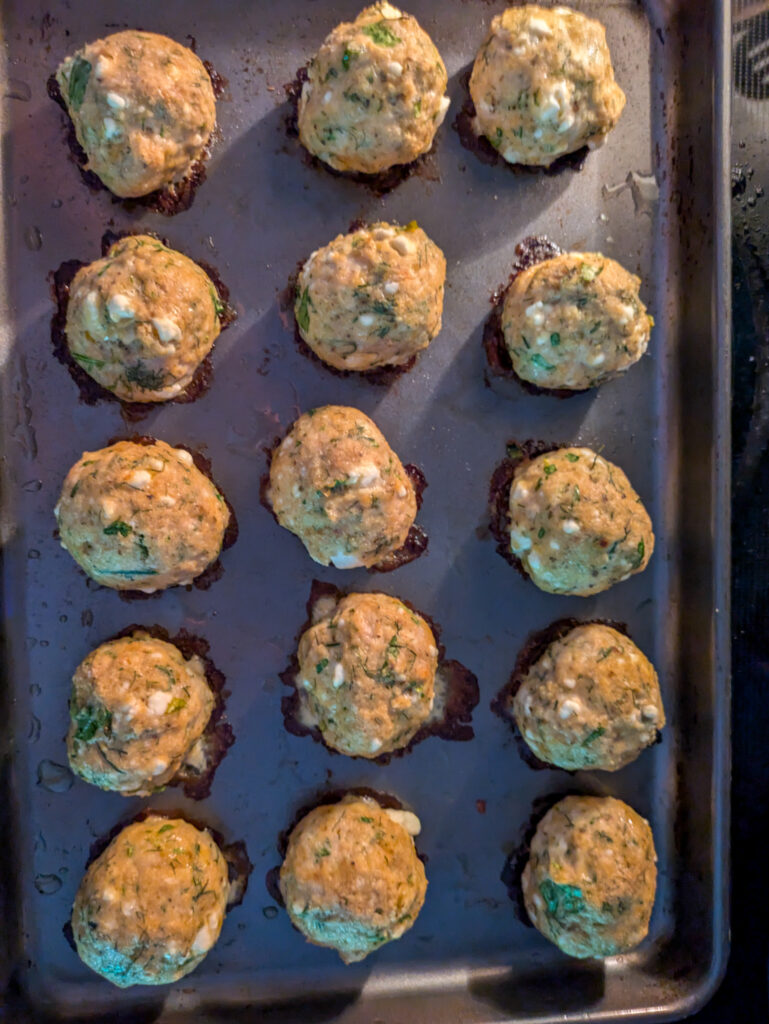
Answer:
(382, 375)
(333, 796)
(532, 250)
(512, 872)
(533, 649)
(214, 571)
(462, 691)
(464, 126)
(518, 454)
(380, 184)
(218, 735)
(169, 201)
(416, 541)
(91, 392)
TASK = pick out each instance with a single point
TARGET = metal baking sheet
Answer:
(655, 198)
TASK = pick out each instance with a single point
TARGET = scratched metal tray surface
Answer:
(655, 198)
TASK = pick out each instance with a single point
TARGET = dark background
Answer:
(743, 994)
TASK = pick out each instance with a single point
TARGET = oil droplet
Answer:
(643, 188)
(44, 643)
(270, 912)
(57, 204)
(56, 778)
(62, 618)
(35, 690)
(32, 486)
(33, 733)
(86, 618)
(18, 90)
(33, 553)
(47, 885)
(33, 239)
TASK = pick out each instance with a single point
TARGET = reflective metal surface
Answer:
(262, 209)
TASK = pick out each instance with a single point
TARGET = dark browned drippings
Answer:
(416, 541)
(239, 867)
(218, 736)
(380, 184)
(462, 694)
(91, 392)
(214, 571)
(532, 250)
(333, 796)
(170, 200)
(219, 82)
(499, 494)
(487, 154)
(533, 649)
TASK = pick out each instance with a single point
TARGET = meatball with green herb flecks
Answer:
(543, 84)
(576, 524)
(367, 674)
(371, 298)
(590, 701)
(591, 877)
(141, 516)
(351, 878)
(374, 95)
(151, 906)
(143, 108)
(337, 484)
(138, 711)
(574, 321)
(141, 320)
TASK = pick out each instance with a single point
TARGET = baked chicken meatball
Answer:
(337, 484)
(143, 109)
(141, 516)
(543, 84)
(374, 95)
(141, 320)
(138, 711)
(574, 321)
(372, 298)
(351, 878)
(591, 700)
(576, 524)
(367, 674)
(150, 908)
(590, 880)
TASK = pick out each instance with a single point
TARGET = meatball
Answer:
(592, 700)
(337, 484)
(143, 109)
(574, 321)
(351, 878)
(367, 674)
(576, 524)
(374, 96)
(372, 298)
(151, 906)
(141, 516)
(141, 320)
(138, 711)
(590, 880)
(543, 84)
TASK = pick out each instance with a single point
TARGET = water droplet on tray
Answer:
(56, 778)
(270, 912)
(86, 618)
(35, 690)
(32, 486)
(47, 885)
(62, 618)
(57, 204)
(33, 733)
(33, 239)
(18, 90)
(33, 553)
